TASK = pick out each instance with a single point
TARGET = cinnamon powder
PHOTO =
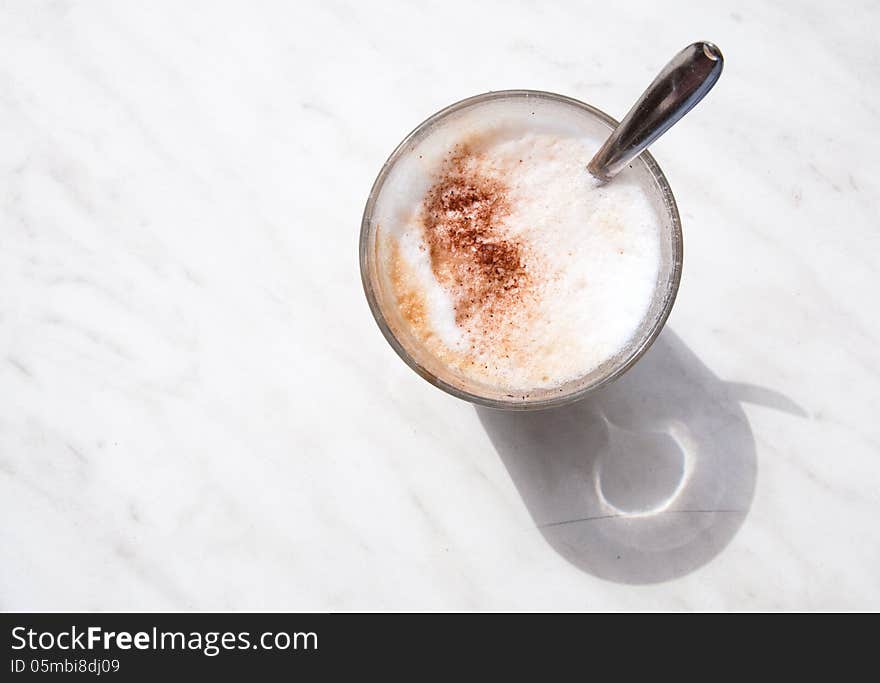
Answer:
(463, 214)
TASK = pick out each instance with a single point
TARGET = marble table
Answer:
(199, 412)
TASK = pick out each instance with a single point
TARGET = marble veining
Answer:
(198, 411)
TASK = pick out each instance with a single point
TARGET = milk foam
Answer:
(591, 253)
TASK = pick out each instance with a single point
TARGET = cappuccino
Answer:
(506, 261)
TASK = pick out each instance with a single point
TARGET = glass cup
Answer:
(383, 303)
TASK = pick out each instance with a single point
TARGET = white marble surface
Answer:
(198, 411)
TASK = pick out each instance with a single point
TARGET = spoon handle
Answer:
(676, 90)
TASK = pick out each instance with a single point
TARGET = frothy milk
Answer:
(507, 261)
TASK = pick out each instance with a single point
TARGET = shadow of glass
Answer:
(646, 480)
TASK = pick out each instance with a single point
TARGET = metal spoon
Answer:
(682, 83)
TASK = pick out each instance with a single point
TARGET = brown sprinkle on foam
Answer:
(483, 271)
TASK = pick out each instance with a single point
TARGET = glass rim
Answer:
(519, 404)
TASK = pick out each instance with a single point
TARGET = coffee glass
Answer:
(382, 299)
